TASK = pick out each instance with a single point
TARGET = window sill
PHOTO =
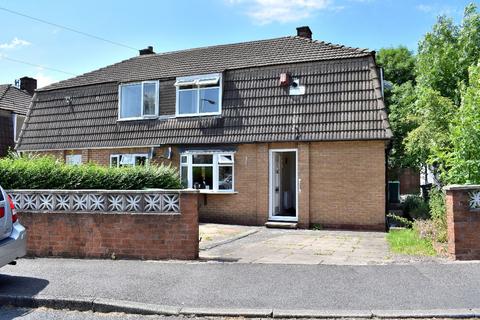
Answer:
(203, 191)
(194, 115)
(138, 118)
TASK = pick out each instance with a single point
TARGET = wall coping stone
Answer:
(76, 191)
(453, 187)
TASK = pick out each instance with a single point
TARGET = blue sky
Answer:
(174, 25)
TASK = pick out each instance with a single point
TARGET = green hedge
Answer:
(48, 173)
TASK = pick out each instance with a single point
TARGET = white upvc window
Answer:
(199, 95)
(73, 159)
(128, 160)
(208, 171)
(139, 100)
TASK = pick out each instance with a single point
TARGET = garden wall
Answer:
(463, 218)
(151, 224)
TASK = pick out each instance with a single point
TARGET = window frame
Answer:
(194, 80)
(74, 156)
(189, 165)
(142, 116)
(118, 155)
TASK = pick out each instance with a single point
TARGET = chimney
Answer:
(304, 32)
(28, 84)
(147, 50)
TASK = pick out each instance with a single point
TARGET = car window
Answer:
(1, 194)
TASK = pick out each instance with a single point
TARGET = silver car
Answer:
(13, 237)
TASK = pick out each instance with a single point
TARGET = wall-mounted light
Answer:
(284, 79)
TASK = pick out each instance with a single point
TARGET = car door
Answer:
(5, 216)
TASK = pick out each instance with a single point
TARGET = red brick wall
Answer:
(463, 225)
(129, 236)
(409, 179)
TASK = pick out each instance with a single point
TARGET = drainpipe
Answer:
(387, 152)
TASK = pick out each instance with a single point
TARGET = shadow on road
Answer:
(19, 286)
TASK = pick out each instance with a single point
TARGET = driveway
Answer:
(263, 245)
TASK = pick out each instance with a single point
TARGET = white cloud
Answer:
(438, 10)
(44, 80)
(14, 44)
(424, 8)
(268, 11)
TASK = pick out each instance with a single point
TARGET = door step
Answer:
(281, 225)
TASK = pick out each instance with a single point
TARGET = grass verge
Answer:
(407, 241)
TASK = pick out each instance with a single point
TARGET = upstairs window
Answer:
(138, 100)
(199, 95)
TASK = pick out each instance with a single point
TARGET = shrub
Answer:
(398, 221)
(415, 208)
(438, 214)
(48, 173)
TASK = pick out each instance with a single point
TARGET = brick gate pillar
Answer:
(463, 220)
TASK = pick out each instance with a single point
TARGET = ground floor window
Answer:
(208, 171)
(73, 159)
(128, 160)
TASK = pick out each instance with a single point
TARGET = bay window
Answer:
(199, 95)
(138, 100)
(207, 171)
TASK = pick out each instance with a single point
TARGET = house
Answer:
(14, 103)
(287, 129)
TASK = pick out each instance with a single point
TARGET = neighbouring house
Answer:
(286, 129)
(403, 181)
(14, 103)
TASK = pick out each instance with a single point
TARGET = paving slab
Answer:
(330, 247)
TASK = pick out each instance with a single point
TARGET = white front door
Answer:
(283, 185)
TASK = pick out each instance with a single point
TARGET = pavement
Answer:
(330, 247)
(255, 290)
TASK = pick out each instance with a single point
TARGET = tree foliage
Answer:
(398, 64)
(462, 160)
(434, 120)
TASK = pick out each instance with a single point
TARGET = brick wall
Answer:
(99, 235)
(342, 184)
(409, 179)
(347, 184)
(463, 223)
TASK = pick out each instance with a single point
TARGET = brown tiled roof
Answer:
(215, 59)
(14, 99)
(342, 102)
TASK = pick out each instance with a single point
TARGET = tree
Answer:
(443, 60)
(401, 107)
(446, 53)
(463, 159)
(398, 64)
(432, 116)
